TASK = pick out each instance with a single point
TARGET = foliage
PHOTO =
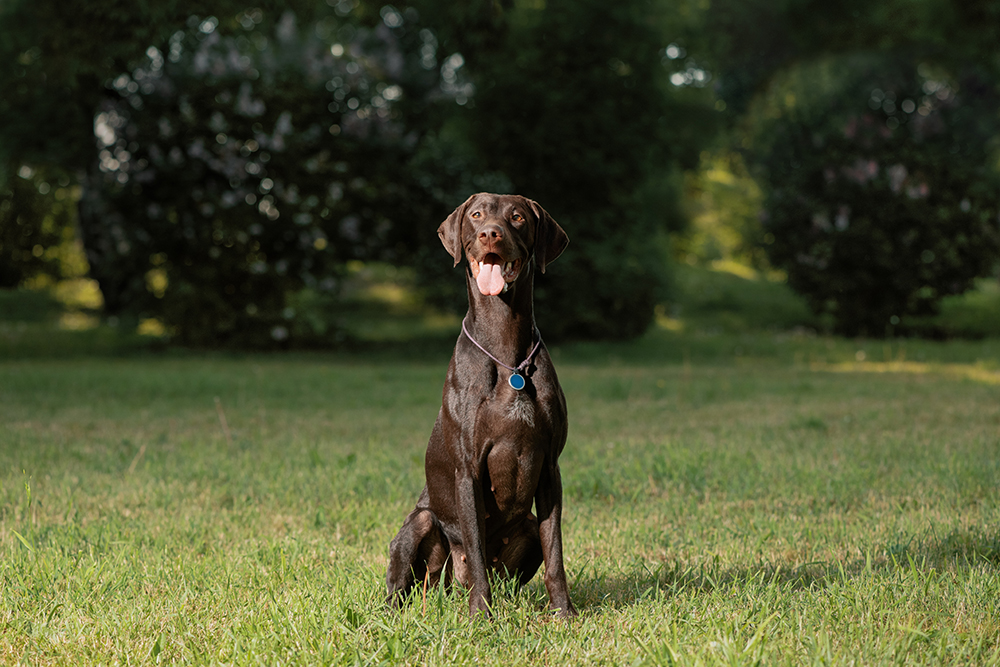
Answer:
(591, 128)
(724, 204)
(747, 42)
(292, 147)
(882, 189)
(158, 187)
(593, 109)
(755, 48)
(55, 57)
(191, 110)
(36, 225)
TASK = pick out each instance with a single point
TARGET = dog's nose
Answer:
(490, 234)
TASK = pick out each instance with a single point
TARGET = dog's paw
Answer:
(479, 607)
(569, 611)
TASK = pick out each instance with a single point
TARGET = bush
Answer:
(241, 162)
(245, 161)
(882, 196)
(25, 305)
(36, 220)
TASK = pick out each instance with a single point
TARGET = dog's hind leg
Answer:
(418, 553)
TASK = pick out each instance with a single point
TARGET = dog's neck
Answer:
(504, 324)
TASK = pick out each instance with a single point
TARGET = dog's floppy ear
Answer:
(550, 239)
(450, 231)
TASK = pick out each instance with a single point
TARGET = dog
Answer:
(494, 449)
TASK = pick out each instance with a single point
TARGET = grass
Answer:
(754, 499)
(734, 495)
(720, 300)
(974, 314)
(724, 301)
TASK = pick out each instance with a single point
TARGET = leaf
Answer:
(157, 647)
(23, 541)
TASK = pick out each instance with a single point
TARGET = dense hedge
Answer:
(882, 189)
(241, 164)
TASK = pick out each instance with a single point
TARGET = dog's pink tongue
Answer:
(490, 279)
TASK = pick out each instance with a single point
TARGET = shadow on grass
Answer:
(959, 550)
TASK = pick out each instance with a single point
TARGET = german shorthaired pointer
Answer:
(495, 446)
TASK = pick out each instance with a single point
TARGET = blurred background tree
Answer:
(36, 222)
(232, 162)
(882, 189)
(291, 145)
(574, 104)
(872, 130)
(199, 138)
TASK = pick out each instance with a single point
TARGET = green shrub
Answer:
(882, 195)
(36, 217)
(240, 164)
(27, 306)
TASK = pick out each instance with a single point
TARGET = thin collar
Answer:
(520, 367)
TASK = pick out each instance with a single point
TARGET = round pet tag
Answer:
(516, 381)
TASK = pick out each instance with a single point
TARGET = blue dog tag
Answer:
(516, 381)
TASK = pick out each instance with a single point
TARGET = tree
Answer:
(55, 58)
(240, 165)
(323, 108)
(573, 104)
(215, 183)
(52, 62)
(36, 218)
(747, 42)
(882, 191)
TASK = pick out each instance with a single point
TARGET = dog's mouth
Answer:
(492, 274)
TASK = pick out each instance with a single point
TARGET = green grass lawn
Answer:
(759, 498)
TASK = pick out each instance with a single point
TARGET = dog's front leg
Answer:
(548, 503)
(472, 520)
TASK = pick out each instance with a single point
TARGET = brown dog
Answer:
(495, 446)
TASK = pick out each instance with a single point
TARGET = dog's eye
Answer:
(517, 217)
(477, 215)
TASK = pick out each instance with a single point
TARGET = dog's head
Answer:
(498, 235)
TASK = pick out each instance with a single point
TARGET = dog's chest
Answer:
(521, 410)
(514, 466)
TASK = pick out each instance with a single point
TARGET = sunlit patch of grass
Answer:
(978, 372)
(666, 322)
(973, 314)
(381, 304)
(387, 293)
(77, 321)
(735, 268)
(732, 297)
